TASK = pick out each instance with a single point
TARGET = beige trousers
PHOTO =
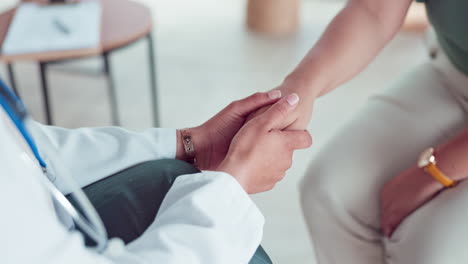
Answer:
(340, 192)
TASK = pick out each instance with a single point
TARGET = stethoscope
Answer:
(87, 220)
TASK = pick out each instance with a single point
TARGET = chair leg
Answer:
(45, 93)
(111, 90)
(154, 88)
(11, 76)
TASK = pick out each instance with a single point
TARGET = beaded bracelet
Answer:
(188, 146)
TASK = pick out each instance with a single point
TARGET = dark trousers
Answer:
(128, 201)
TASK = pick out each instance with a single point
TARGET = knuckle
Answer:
(280, 176)
(300, 141)
(307, 139)
(281, 111)
(234, 105)
(287, 163)
(287, 147)
(290, 144)
(257, 96)
(262, 121)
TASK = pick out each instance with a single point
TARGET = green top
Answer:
(450, 21)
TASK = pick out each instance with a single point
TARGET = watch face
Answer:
(427, 156)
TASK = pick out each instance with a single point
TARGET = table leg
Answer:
(45, 92)
(154, 88)
(111, 89)
(11, 76)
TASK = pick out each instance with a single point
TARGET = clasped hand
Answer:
(258, 152)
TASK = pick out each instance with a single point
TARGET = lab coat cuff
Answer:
(169, 136)
(234, 209)
(205, 217)
(230, 189)
(236, 190)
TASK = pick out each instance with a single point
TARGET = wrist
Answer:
(194, 145)
(234, 169)
(201, 142)
(180, 152)
(305, 85)
(198, 152)
(451, 162)
(429, 184)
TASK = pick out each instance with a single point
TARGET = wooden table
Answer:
(123, 23)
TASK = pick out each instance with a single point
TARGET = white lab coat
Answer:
(205, 218)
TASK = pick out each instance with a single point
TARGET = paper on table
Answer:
(38, 28)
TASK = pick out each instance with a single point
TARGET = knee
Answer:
(323, 190)
(173, 168)
(260, 257)
(316, 190)
(168, 169)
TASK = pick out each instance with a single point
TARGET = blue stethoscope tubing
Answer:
(88, 221)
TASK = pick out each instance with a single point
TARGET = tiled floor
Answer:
(206, 58)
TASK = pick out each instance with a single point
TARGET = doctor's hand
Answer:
(261, 153)
(211, 140)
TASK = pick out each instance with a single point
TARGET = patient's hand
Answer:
(212, 139)
(404, 194)
(261, 152)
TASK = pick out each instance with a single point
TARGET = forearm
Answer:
(100, 151)
(351, 41)
(452, 157)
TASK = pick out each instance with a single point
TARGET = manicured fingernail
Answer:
(292, 99)
(274, 94)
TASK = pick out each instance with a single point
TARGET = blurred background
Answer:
(206, 57)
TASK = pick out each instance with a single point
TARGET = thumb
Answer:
(249, 104)
(276, 117)
(297, 139)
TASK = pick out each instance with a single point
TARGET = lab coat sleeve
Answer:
(206, 218)
(95, 153)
